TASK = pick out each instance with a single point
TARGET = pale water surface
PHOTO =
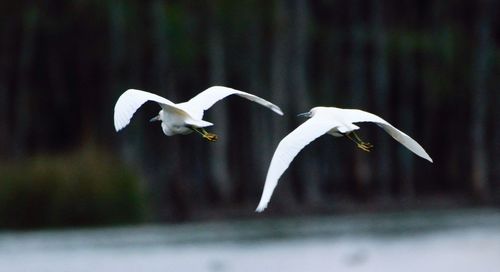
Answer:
(463, 240)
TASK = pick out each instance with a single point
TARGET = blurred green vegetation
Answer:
(87, 187)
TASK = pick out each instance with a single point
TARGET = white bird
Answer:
(181, 118)
(334, 121)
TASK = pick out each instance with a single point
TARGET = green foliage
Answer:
(85, 188)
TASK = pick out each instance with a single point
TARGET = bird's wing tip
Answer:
(119, 126)
(261, 208)
(277, 110)
(426, 156)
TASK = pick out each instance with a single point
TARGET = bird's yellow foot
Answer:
(210, 136)
(205, 134)
(359, 143)
(365, 146)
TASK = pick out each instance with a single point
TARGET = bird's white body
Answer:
(178, 118)
(173, 123)
(325, 120)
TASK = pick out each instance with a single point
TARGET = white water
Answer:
(419, 241)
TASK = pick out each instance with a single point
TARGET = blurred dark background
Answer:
(431, 68)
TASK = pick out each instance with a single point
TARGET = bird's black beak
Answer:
(304, 114)
(156, 118)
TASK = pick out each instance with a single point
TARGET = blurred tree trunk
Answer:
(58, 89)
(279, 77)
(495, 121)
(381, 97)
(406, 99)
(219, 153)
(308, 174)
(262, 149)
(119, 43)
(406, 109)
(23, 106)
(166, 170)
(83, 77)
(429, 64)
(160, 45)
(133, 67)
(495, 153)
(116, 57)
(6, 42)
(116, 52)
(481, 68)
(357, 86)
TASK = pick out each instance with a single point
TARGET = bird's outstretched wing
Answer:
(210, 96)
(354, 116)
(131, 100)
(288, 148)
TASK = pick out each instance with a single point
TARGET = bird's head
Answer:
(310, 113)
(305, 114)
(156, 118)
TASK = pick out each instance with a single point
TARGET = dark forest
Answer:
(430, 68)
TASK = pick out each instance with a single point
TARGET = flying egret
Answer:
(182, 118)
(334, 121)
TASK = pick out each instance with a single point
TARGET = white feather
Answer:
(131, 100)
(356, 116)
(178, 118)
(210, 96)
(335, 121)
(288, 148)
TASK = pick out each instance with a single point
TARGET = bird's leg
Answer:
(359, 143)
(207, 135)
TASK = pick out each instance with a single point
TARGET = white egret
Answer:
(181, 118)
(334, 121)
